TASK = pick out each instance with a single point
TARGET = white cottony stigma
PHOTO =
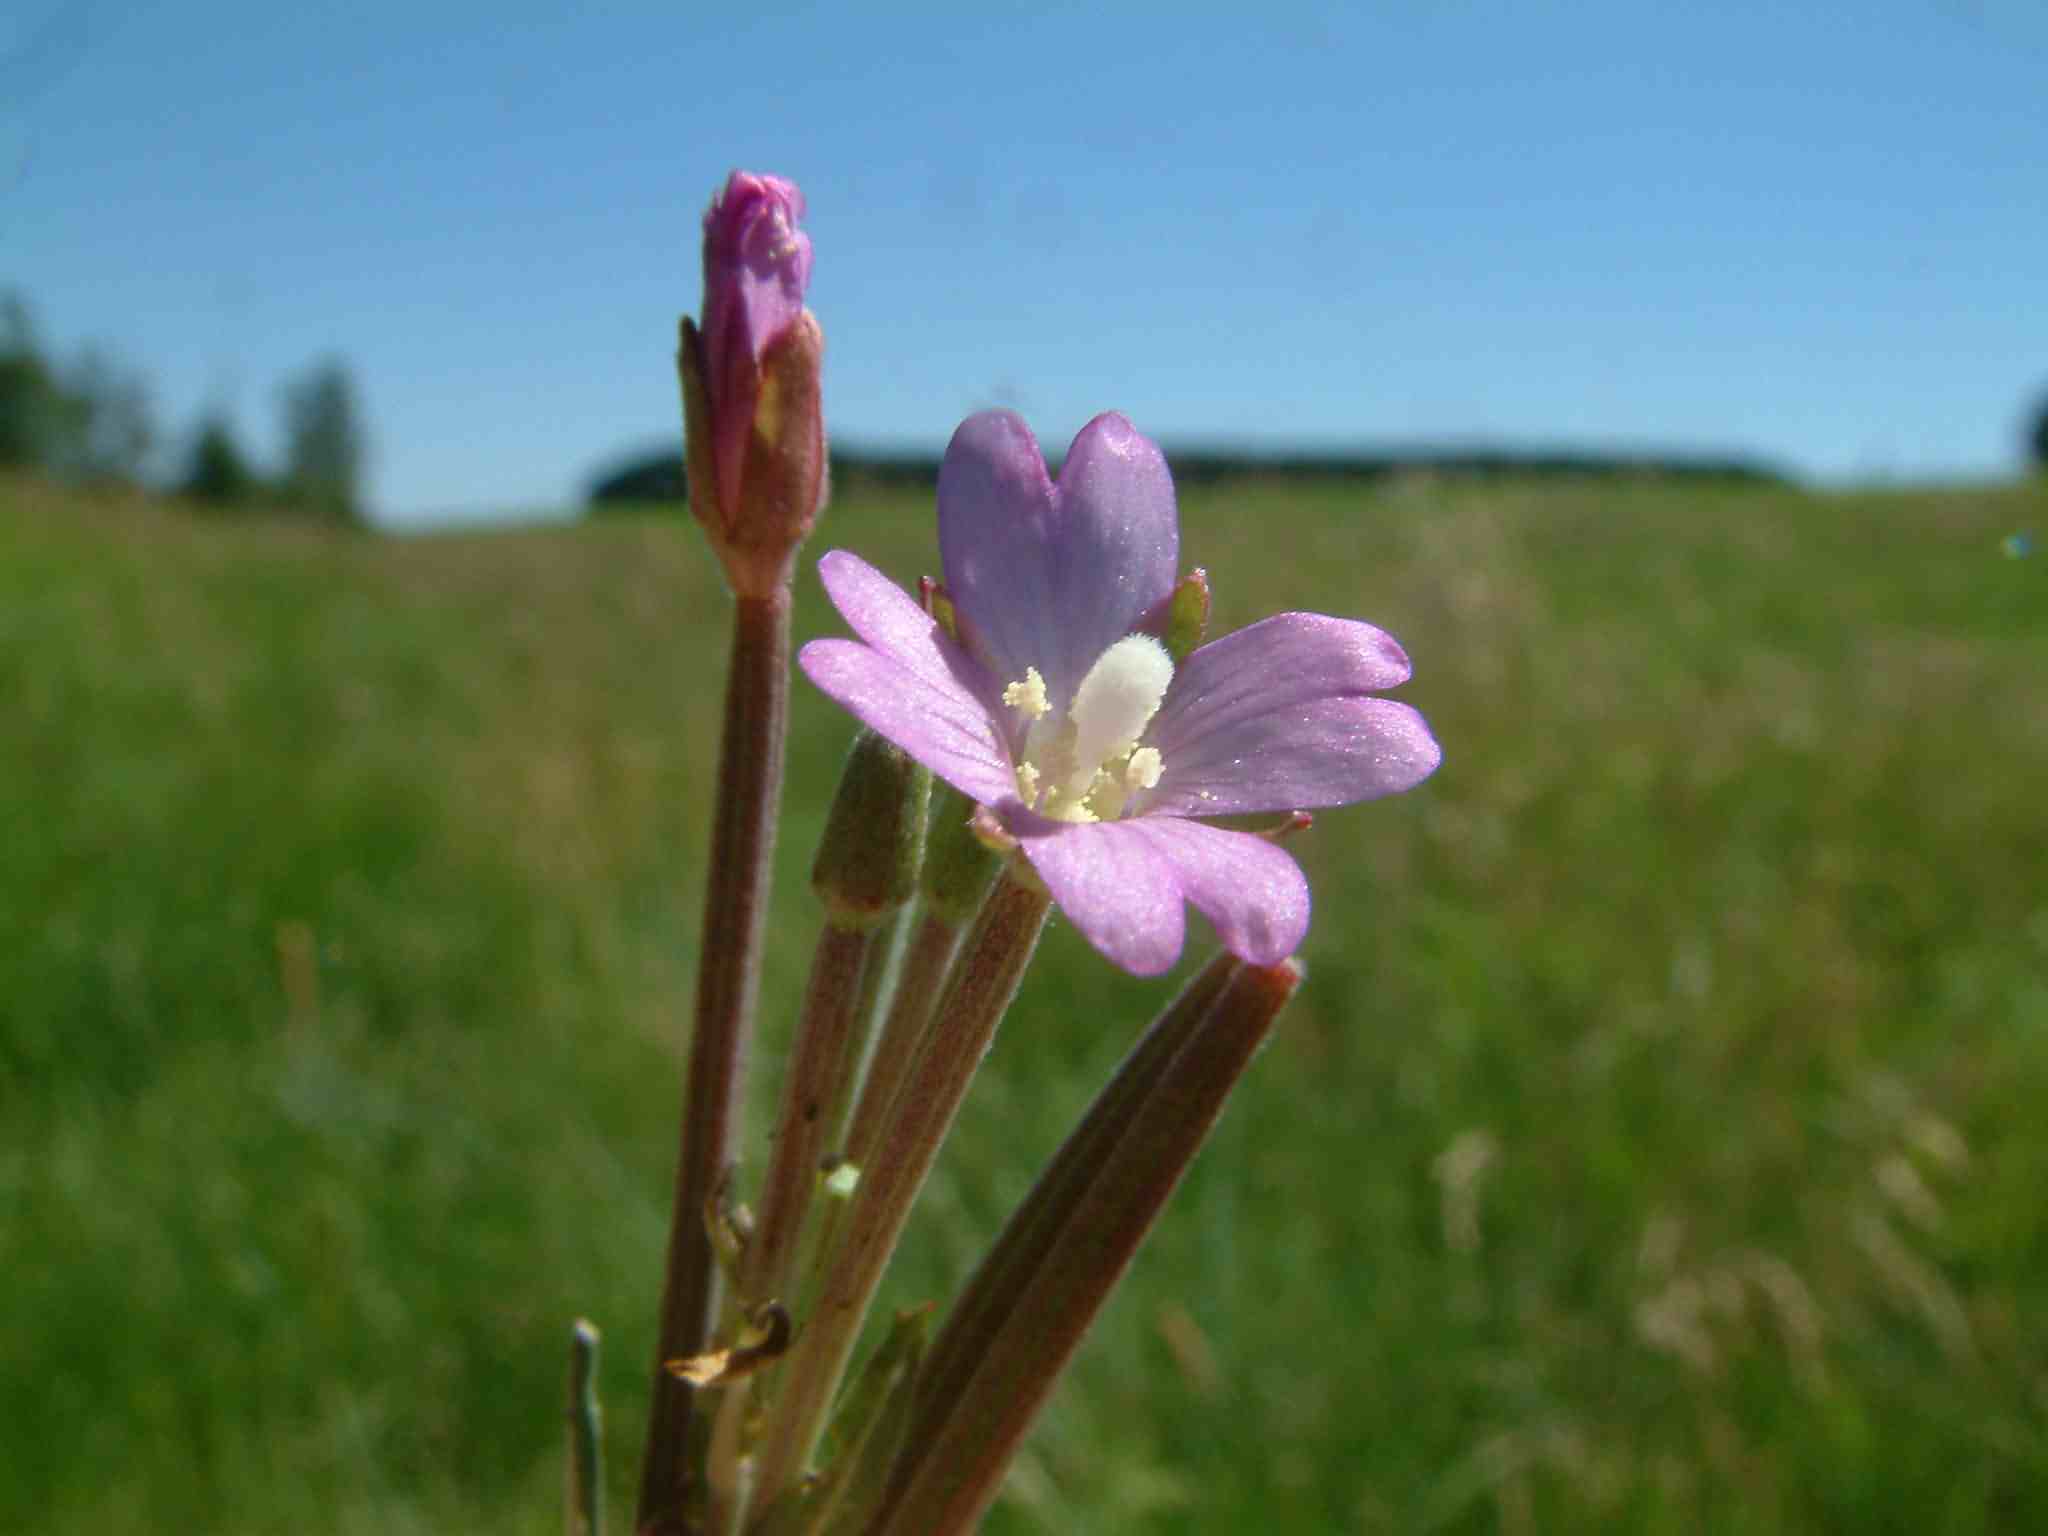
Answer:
(1118, 698)
(1089, 762)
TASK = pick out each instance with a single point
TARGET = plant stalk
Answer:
(925, 967)
(984, 980)
(1009, 1267)
(818, 1063)
(728, 981)
(1083, 1235)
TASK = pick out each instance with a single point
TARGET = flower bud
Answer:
(873, 846)
(959, 864)
(750, 374)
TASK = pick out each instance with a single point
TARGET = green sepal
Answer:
(939, 604)
(700, 474)
(1187, 615)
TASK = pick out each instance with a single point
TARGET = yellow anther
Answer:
(1028, 697)
(1144, 768)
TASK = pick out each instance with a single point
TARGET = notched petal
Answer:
(937, 722)
(1050, 576)
(1121, 896)
(1125, 885)
(1250, 889)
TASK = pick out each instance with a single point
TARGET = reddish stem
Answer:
(985, 978)
(728, 981)
(1082, 1225)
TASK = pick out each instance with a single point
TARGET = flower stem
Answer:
(957, 873)
(1028, 1307)
(958, 870)
(877, 989)
(986, 977)
(866, 872)
(818, 1061)
(728, 1475)
(925, 965)
(728, 979)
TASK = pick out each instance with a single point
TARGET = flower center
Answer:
(1084, 764)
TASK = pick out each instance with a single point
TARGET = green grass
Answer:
(1655, 1146)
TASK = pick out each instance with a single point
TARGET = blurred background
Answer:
(1653, 1147)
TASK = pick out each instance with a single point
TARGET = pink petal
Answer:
(1123, 885)
(936, 720)
(1248, 887)
(1113, 887)
(1051, 576)
(1279, 717)
(892, 621)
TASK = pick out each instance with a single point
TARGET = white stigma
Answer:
(1088, 763)
(1117, 699)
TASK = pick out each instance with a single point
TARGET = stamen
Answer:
(1028, 697)
(1084, 764)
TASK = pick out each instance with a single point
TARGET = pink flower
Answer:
(757, 264)
(1057, 710)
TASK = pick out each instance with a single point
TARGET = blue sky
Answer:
(1812, 231)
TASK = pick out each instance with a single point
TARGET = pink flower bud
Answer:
(751, 381)
(757, 264)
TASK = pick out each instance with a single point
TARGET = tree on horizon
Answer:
(325, 444)
(218, 471)
(90, 421)
(31, 404)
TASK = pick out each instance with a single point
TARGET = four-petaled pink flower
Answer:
(1099, 755)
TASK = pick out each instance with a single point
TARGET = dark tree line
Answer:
(94, 421)
(89, 421)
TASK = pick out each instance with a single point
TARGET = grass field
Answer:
(1656, 1146)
